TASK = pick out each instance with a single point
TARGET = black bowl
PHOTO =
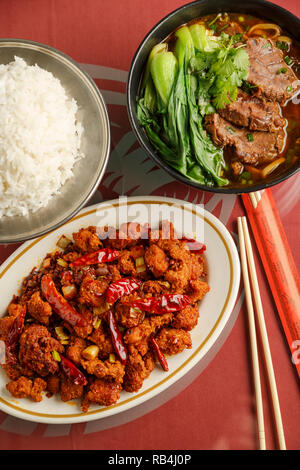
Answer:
(197, 9)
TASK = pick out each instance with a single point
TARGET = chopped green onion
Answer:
(229, 129)
(236, 38)
(289, 88)
(63, 242)
(61, 262)
(250, 137)
(139, 261)
(56, 356)
(62, 336)
(224, 27)
(288, 60)
(246, 175)
(97, 323)
(214, 20)
(214, 27)
(282, 70)
(112, 358)
(282, 45)
(91, 352)
(241, 19)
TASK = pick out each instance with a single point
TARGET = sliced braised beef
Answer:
(254, 113)
(269, 72)
(254, 148)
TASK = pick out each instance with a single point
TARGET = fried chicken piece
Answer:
(150, 325)
(173, 341)
(114, 273)
(91, 291)
(5, 325)
(156, 287)
(39, 309)
(179, 269)
(126, 264)
(197, 290)
(126, 315)
(156, 260)
(12, 371)
(53, 385)
(69, 390)
(103, 340)
(127, 236)
(85, 331)
(15, 309)
(87, 240)
(104, 369)
(24, 387)
(36, 346)
(103, 392)
(187, 318)
(138, 368)
(75, 348)
(197, 266)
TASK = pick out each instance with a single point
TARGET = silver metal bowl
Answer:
(88, 171)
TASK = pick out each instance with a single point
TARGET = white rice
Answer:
(39, 137)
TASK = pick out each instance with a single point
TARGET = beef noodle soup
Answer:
(218, 100)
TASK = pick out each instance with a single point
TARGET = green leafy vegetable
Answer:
(163, 69)
(180, 88)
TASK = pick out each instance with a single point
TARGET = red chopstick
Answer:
(278, 263)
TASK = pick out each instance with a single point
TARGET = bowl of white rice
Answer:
(54, 139)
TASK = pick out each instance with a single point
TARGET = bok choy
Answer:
(181, 87)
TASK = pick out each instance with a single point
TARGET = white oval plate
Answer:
(216, 318)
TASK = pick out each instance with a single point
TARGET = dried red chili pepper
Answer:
(120, 288)
(162, 304)
(159, 353)
(71, 371)
(194, 246)
(13, 336)
(59, 303)
(117, 338)
(16, 328)
(105, 255)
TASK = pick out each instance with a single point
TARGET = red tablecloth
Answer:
(217, 410)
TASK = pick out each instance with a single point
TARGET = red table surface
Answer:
(217, 410)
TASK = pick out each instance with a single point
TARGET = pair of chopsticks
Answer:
(248, 266)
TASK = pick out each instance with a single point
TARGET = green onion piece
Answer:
(214, 28)
(97, 323)
(139, 261)
(282, 70)
(56, 356)
(229, 129)
(236, 38)
(246, 175)
(250, 137)
(224, 27)
(288, 60)
(282, 45)
(112, 358)
(214, 20)
(289, 88)
(241, 19)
